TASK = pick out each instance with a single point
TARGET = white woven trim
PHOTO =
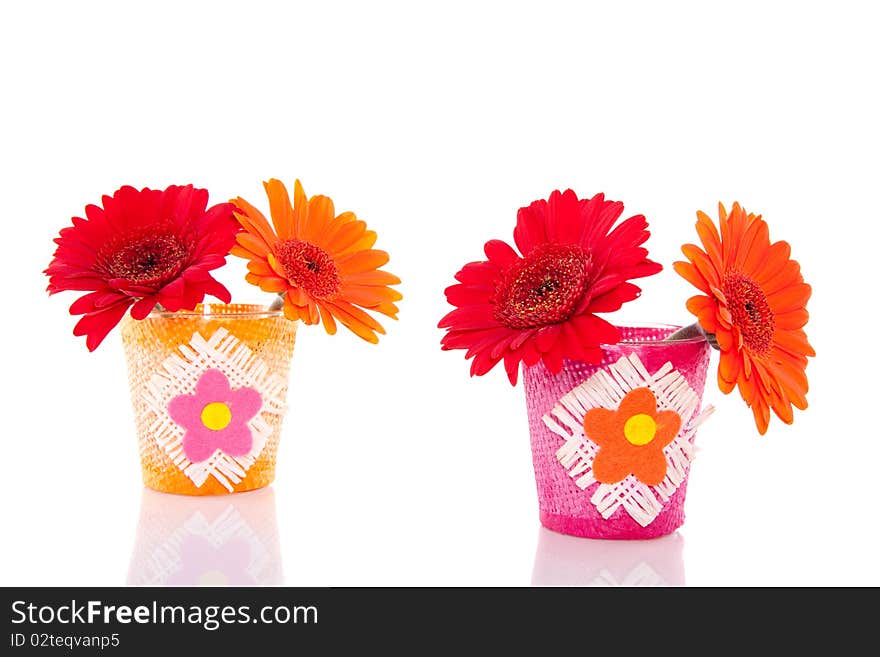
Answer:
(179, 375)
(606, 389)
(165, 560)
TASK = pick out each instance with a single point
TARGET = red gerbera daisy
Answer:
(142, 248)
(540, 305)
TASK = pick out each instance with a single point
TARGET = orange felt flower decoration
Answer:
(631, 439)
(754, 303)
(322, 263)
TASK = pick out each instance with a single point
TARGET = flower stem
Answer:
(278, 304)
(692, 331)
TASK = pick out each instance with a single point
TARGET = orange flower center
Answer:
(750, 310)
(543, 288)
(309, 267)
(143, 257)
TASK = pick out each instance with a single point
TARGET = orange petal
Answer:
(358, 314)
(280, 208)
(353, 324)
(640, 400)
(343, 219)
(344, 235)
(609, 466)
(725, 338)
(782, 408)
(300, 210)
(708, 319)
(700, 303)
(363, 243)
(601, 426)
(253, 243)
(774, 260)
(701, 261)
(794, 319)
(650, 467)
(276, 267)
(668, 424)
(320, 219)
(737, 225)
(294, 311)
(327, 319)
(314, 313)
(372, 277)
(793, 341)
(241, 252)
(794, 297)
(729, 367)
(253, 221)
(709, 237)
(747, 389)
(756, 243)
(361, 261)
(789, 275)
(794, 383)
(762, 414)
(268, 283)
(260, 267)
(725, 386)
(690, 273)
(386, 308)
(724, 230)
(368, 295)
(739, 246)
(299, 297)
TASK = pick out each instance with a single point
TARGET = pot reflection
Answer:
(562, 560)
(229, 540)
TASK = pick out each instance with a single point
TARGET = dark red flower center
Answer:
(145, 258)
(750, 310)
(544, 287)
(309, 267)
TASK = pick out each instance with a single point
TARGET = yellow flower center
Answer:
(216, 416)
(640, 429)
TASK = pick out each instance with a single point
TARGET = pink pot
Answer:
(571, 501)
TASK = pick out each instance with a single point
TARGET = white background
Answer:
(435, 123)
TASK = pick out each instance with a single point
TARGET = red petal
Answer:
(500, 253)
(143, 308)
(530, 228)
(564, 225)
(467, 295)
(96, 326)
(613, 300)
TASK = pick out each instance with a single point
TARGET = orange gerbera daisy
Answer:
(323, 264)
(754, 303)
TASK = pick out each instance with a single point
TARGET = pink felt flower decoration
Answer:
(215, 417)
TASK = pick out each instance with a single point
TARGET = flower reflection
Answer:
(562, 560)
(207, 541)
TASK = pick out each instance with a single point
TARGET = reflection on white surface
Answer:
(562, 560)
(207, 541)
